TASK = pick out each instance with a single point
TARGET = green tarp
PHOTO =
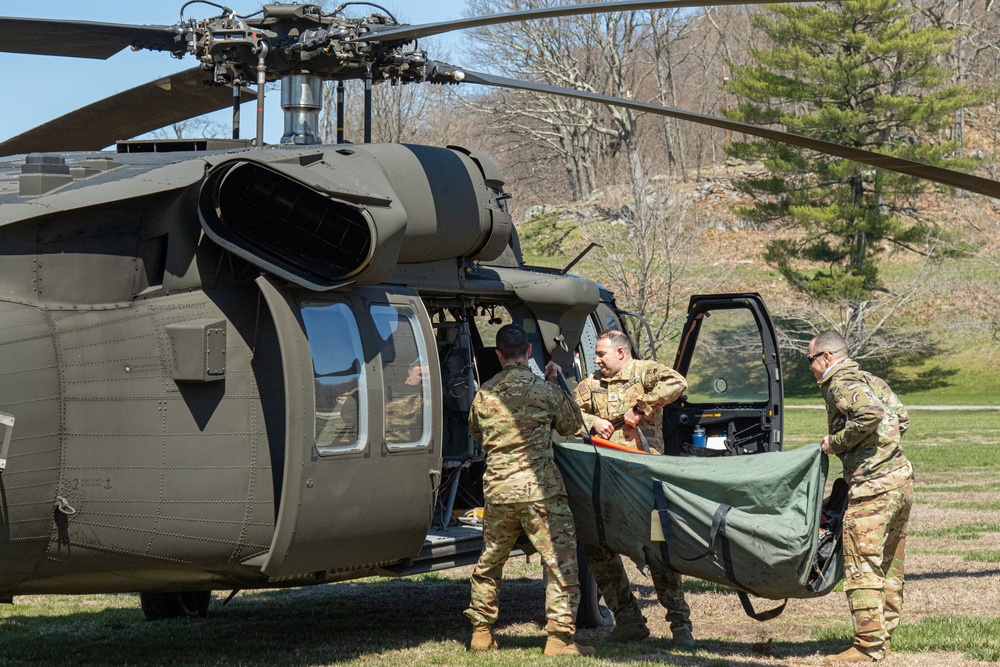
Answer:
(770, 533)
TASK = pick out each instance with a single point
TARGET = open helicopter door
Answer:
(363, 429)
(729, 356)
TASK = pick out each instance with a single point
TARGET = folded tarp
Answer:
(752, 522)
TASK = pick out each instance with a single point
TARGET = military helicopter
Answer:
(234, 366)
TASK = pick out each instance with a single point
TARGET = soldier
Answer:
(404, 408)
(865, 421)
(513, 416)
(633, 391)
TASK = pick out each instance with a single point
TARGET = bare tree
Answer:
(871, 327)
(192, 128)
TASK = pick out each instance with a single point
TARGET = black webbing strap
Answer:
(727, 562)
(717, 532)
(718, 525)
(595, 497)
(660, 504)
(759, 615)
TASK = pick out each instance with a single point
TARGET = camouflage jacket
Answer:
(645, 383)
(866, 421)
(513, 416)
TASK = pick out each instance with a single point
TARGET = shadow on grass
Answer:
(800, 383)
(954, 574)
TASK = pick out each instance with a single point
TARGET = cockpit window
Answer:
(338, 371)
(405, 377)
(728, 364)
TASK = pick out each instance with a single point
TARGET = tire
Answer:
(593, 613)
(189, 604)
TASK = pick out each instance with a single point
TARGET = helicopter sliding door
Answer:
(363, 437)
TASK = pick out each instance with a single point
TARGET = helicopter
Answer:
(237, 366)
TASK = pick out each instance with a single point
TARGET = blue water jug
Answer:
(698, 437)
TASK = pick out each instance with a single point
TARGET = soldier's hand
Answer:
(825, 445)
(603, 428)
(552, 371)
(632, 418)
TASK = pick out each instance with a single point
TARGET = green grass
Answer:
(937, 441)
(979, 556)
(982, 507)
(977, 638)
(967, 377)
(964, 531)
(960, 488)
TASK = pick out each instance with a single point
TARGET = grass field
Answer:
(952, 615)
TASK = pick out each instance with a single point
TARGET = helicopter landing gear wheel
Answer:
(189, 604)
(593, 613)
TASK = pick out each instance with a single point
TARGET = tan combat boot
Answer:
(851, 654)
(483, 639)
(628, 630)
(561, 643)
(682, 636)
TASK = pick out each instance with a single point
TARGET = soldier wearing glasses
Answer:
(866, 421)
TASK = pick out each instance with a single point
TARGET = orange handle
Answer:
(601, 442)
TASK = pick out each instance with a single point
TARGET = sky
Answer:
(40, 88)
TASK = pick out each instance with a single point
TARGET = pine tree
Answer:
(858, 73)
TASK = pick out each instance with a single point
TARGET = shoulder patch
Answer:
(583, 391)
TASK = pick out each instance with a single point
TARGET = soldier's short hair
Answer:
(617, 338)
(512, 341)
(832, 342)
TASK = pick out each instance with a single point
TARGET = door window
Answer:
(405, 377)
(727, 365)
(338, 371)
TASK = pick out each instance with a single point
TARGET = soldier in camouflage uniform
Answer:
(866, 421)
(634, 392)
(513, 416)
(404, 409)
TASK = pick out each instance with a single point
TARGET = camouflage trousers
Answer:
(549, 526)
(612, 580)
(874, 550)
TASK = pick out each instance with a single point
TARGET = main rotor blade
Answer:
(82, 39)
(408, 32)
(957, 179)
(128, 114)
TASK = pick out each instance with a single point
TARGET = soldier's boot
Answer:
(850, 654)
(629, 628)
(561, 643)
(682, 636)
(871, 639)
(483, 639)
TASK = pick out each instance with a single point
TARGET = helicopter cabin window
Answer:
(338, 371)
(405, 377)
(727, 365)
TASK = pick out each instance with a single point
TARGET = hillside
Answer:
(723, 254)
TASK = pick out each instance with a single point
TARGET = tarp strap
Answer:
(718, 524)
(718, 531)
(660, 504)
(727, 562)
(595, 496)
(760, 615)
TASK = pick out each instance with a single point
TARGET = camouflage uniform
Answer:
(650, 385)
(866, 421)
(513, 416)
(404, 416)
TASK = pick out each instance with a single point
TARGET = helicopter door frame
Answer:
(737, 398)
